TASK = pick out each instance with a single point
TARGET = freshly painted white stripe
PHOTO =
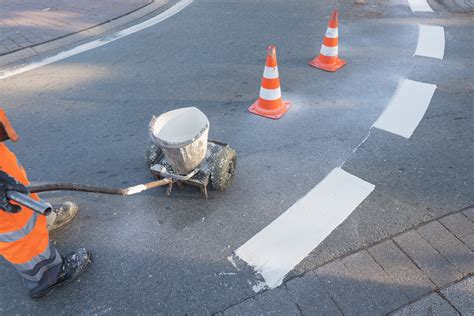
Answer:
(430, 41)
(270, 72)
(332, 32)
(97, 43)
(270, 94)
(419, 6)
(329, 51)
(406, 108)
(280, 246)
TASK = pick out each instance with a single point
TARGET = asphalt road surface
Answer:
(84, 119)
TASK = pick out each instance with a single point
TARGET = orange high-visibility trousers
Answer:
(24, 238)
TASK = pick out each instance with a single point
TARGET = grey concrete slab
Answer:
(448, 246)
(469, 213)
(277, 302)
(409, 278)
(346, 289)
(462, 227)
(461, 295)
(436, 267)
(247, 307)
(377, 284)
(311, 296)
(432, 304)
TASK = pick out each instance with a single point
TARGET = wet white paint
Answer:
(419, 6)
(97, 43)
(279, 247)
(406, 108)
(136, 189)
(431, 41)
(181, 125)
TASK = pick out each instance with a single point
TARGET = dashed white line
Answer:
(419, 6)
(280, 246)
(430, 41)
(99, 42)
(406, 108)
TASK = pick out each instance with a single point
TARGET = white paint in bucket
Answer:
(179, 126)
(182, 136)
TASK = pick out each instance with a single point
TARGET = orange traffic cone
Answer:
(327, 59)
(269, 103)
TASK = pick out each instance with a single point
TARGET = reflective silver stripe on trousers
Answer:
(22, 232)
(28, 266)
(36, 273)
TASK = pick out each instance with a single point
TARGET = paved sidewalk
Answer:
(30, 28)
(31, 22)
(428, 270)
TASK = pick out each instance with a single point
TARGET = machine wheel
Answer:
(223, 171)
(152, 154)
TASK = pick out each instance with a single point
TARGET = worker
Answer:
(24, 234)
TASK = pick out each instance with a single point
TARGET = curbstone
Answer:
(432, 304)
(401, 269)
(436, 267)
(448, 246)
(309, 293)
(461, 295)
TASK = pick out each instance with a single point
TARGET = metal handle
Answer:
(23, 199)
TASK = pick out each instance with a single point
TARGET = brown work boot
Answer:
(61, 215)
(72, 267)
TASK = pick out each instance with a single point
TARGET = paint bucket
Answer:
(182, 136)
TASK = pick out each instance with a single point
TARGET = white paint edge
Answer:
(279, 247)
(97, 43)
(136, 189)
(431, 41)
(406, 108)
(419, 6)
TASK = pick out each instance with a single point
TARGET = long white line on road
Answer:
(280, 246)
(419, 6)
(430, 41)
(99, 42)
(406, 108)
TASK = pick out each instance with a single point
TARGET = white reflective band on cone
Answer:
(270, 94)
(329, 51)
(270, 72)
(332, 33)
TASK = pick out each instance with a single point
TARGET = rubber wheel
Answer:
(223, 171)
(152, 154)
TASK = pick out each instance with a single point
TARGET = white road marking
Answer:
(280, 246)
(97, 43)
(430, 41)
(419, 6)
(406, 108)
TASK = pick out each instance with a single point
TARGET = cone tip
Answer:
(271, 50)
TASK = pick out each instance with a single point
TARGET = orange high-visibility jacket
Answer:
(36, 238)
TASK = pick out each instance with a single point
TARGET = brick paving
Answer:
(428, 270)
(25, 23)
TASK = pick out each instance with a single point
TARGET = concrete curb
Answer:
(20, 56)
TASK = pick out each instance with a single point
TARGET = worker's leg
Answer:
(24, 242)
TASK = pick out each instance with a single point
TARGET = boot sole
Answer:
(51, 289)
